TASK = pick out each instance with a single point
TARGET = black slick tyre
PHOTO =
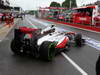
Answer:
(47, 50)
(78, 40)
(16, 47)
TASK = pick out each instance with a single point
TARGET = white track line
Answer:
(74, 64)
(31, 23)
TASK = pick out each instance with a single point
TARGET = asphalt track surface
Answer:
(84, 57)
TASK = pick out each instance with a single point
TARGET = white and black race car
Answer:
(44, 44)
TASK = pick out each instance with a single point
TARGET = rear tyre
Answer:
(47, 50)
(16, 47)
(78, 40)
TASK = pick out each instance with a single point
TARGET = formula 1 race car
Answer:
(44, 44)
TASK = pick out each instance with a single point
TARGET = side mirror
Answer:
(52, 26)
